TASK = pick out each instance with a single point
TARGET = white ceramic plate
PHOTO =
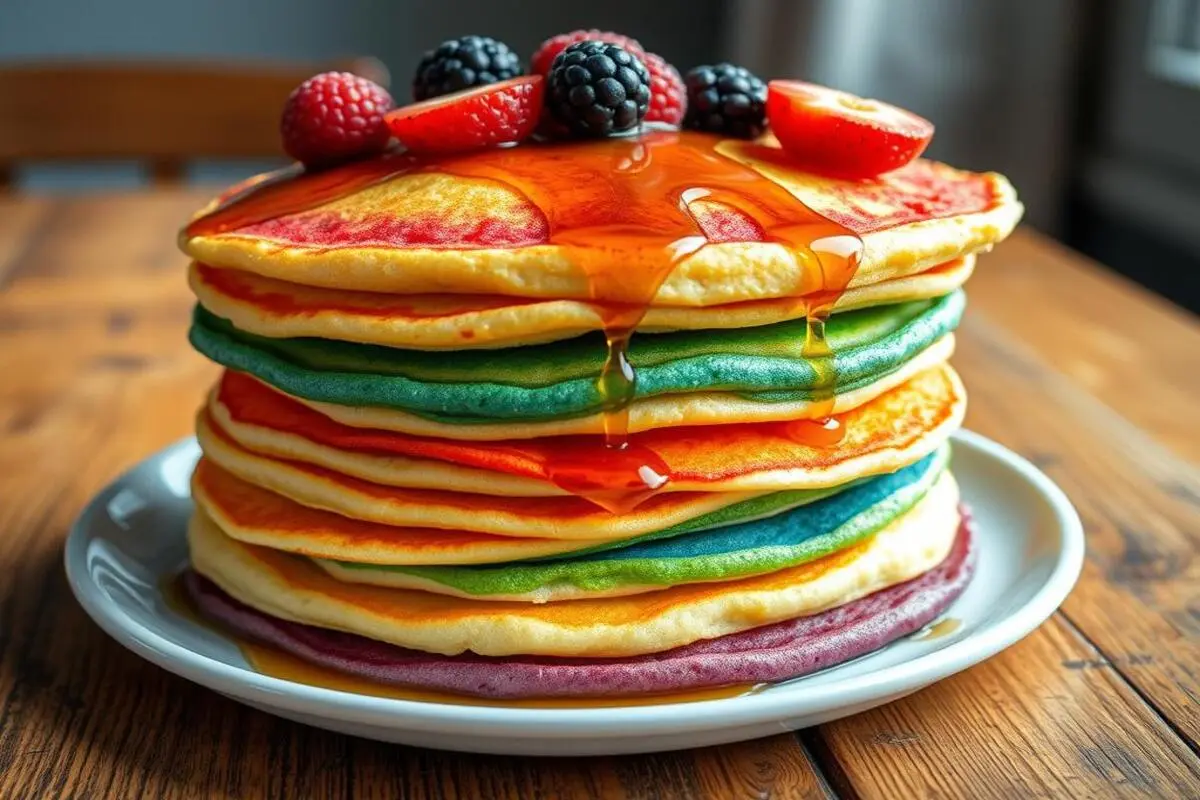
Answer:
(131, 536)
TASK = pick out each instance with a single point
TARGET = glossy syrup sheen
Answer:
(939, 630)
(268, 660)
(626, 212)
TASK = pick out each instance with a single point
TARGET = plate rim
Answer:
(743, 710)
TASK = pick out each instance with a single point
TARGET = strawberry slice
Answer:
(486, 116)
(841, 135)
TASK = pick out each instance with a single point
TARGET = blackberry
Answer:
(726, 99)
(597, 89)
(461, 63)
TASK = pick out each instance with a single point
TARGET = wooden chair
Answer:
(161, 113)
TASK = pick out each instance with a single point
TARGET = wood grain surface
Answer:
(1078, 370)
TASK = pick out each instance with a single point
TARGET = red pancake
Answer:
(894, 421)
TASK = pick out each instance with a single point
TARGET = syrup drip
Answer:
(268, 660)
(622, 211)
(939, 630)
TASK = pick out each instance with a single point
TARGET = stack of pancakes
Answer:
(405, 473)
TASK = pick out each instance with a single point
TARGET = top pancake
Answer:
(425, 230)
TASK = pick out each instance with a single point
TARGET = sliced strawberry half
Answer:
(486, 116)
(842, 135)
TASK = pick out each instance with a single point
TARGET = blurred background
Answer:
(1092, 108)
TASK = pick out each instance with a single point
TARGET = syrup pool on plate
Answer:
(268, 660)
(625, 211)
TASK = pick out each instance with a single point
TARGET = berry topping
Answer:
(549, 49)
(333, 117)
(726, 99)
(668, 95)
(841, 135)
(481, 117)
(462, 63)
(597, 89)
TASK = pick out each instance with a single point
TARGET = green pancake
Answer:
(741, 547)
(558, 380)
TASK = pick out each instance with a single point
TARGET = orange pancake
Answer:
(250, 514)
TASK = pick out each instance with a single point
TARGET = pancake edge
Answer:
(909, 547)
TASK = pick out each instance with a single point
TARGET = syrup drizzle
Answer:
(944, 627)
(269, 660)
(624, 211)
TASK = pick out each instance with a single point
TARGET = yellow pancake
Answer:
(250, 514)
(894, 429)
(542, 517)
(293, 588)
(667, 411)
(275, 308)
(430, 231)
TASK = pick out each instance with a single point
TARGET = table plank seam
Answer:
(1024, 358)
(818, 769)
(1114, 664)
(1171, 484)
(826, 765)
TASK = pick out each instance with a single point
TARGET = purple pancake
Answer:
(761, 655)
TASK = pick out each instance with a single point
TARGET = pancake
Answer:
(735, 551)
(760, 655)
(698, 408)
(545, 382)
(883, 435)
(295, 589)
(278, 309)
(880, 439)
(414, 227)
(255, 515)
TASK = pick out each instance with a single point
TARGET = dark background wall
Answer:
(686, 32)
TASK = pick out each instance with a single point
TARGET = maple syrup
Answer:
(268, 660)
(626, 212)
(938, 630)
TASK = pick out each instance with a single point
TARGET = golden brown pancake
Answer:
(254, 515)
(899, 431)
(293, 588)
(431, 229)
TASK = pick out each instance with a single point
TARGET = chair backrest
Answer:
(160, 113)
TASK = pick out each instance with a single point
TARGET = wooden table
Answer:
(1090, 377)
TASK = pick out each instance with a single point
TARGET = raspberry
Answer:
(597, 89)
(549, 49)
(668, 95)
(335, 116)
